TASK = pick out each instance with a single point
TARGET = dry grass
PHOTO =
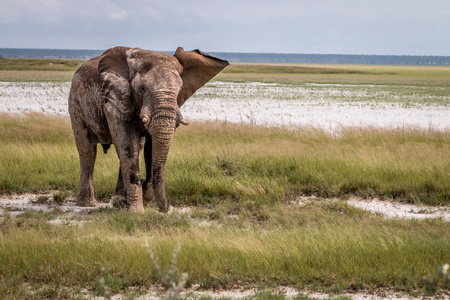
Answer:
(352, 74)
(40, 64)
(293, 69)
(62, 70)
(38, 76)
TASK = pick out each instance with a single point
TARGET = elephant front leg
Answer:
(119, 198)
(129, 169)
(126, 140)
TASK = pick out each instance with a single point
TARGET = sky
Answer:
(383, 27)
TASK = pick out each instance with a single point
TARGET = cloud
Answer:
(115, 12)
(60, 12)
(301, 26)
(39, 11)
(8, 16)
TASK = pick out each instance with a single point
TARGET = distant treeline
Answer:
(250, 57)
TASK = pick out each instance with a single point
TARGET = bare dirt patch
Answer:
(389, 208)
(22, 202)
(289, 293)
(17, 204)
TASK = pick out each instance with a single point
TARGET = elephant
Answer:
(131, 97)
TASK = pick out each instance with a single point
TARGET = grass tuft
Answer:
(59, 197)
(42, 199)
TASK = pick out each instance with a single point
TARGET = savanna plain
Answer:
(259, 195)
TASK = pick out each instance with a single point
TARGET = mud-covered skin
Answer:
(131, 98)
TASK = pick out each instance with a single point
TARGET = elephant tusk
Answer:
(184, 123)
(145, 120)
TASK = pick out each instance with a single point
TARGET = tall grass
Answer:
(242, 161)
(209, 162)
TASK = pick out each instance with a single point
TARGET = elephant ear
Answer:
(116, 89)
(198, 69)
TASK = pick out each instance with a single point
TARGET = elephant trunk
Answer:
(160, 150)
(162, 127)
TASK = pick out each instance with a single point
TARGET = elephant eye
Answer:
(141, 89)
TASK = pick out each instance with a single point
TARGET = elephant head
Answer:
(141, 93)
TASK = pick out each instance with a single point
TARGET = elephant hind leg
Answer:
(87, 161)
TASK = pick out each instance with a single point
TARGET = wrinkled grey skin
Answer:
(131, 97)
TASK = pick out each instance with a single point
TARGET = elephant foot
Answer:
(147, 193)
(91, 202)
(163, 207)
(136, 207)
(160, 197)
(119, 201)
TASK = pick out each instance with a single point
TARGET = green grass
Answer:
(38, 70)
(211, 162)
(23, 64)
(240, 68)
(36, 76)
(62, 70)
(269, 165)
(326, 246)
(349, 74)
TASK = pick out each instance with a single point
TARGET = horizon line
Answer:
(278, 53)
